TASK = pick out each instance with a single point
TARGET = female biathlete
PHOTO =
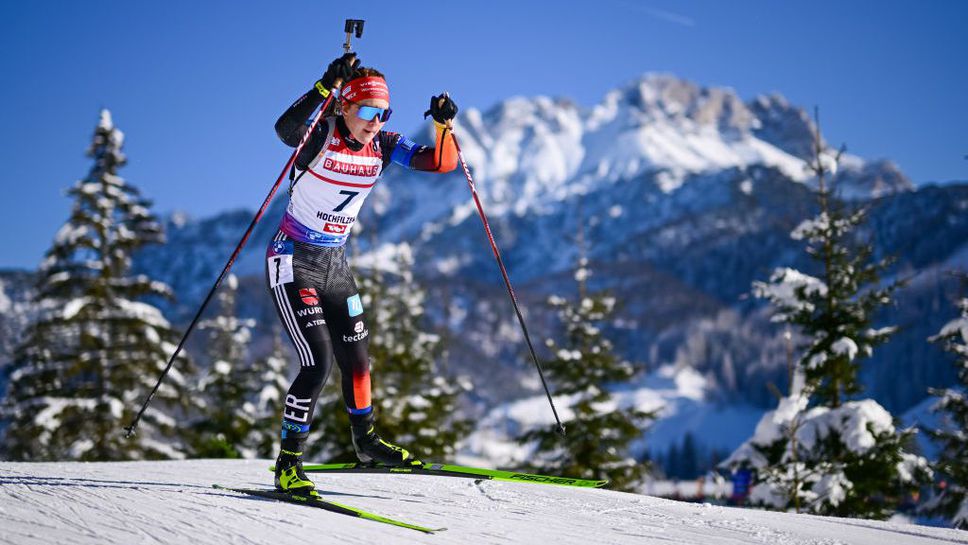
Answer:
(311, 283)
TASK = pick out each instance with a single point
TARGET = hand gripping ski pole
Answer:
(352, 26)
(507, 281)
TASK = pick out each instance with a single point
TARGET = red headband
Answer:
(364, 88)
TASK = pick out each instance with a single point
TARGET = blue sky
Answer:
(196, 86)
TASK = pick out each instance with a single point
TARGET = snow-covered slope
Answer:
(173, 503)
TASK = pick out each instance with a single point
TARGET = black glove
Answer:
(340, 69)
(442, 108)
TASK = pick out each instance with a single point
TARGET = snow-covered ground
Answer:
(172, 502)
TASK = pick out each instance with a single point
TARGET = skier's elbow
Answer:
(287, 133)
(448, 164)
(446, 153)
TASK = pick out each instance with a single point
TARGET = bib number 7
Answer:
(280, 270)
(347, 201)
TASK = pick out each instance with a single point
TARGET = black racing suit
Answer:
(315, 293)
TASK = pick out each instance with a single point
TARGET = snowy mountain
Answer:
(173, 502)
(686, 194)
(660, 164)
(529, 154)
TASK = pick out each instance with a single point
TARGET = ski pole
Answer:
(352, 26)
(507, 280)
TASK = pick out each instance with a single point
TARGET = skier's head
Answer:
(365, 103)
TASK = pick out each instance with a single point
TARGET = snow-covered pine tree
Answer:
(230, 384)
(330, 435)
(844, 461)
(839, 458)
(834, 312)
(414, 398)
(274, 380)
(598, 433)
(93, 353)
(952, 464)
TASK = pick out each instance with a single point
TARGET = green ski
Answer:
(447, 470)
(327, 505)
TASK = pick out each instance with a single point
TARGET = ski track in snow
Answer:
(173, 502)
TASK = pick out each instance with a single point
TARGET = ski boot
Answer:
(371, 449)
(290, 477)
